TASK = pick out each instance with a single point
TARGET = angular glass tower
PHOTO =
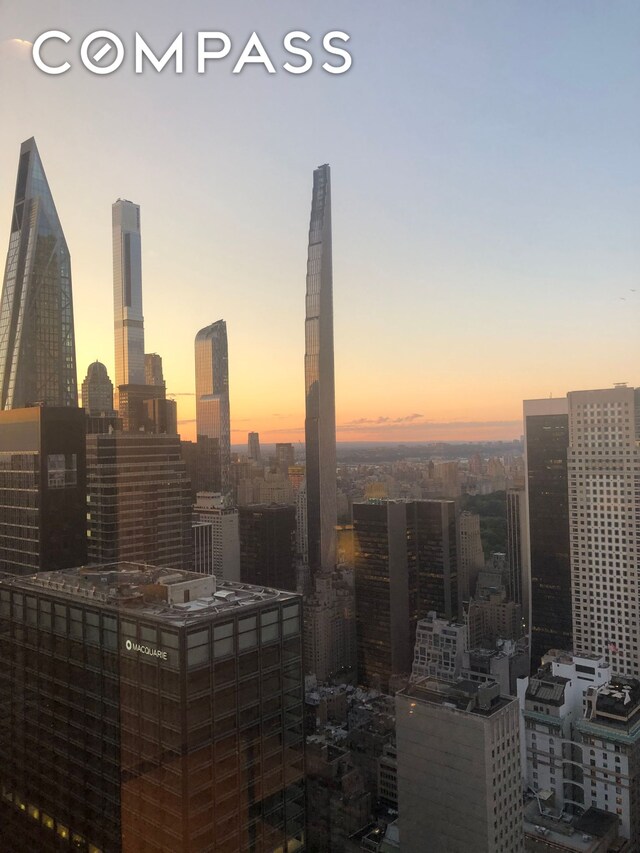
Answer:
(320, 420)
(127, 294)
(213, 421)
(37, 347)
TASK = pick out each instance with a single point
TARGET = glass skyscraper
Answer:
(320, 420)
(127, 294)
(37, 347)
(212, 405)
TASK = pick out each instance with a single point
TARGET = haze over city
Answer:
(485, 209)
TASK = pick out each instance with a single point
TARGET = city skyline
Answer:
(502, 225)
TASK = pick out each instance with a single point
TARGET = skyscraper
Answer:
(546, 443)
(127, 294)
(97, 390)
(212, 406)
(604, 502)
(37, 347)
(320, 420)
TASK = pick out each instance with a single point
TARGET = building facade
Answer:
(458, 768)
(604, 506)
(146, 708)
(320, 417)
(268, 545)
(37, 344)
(518, 549)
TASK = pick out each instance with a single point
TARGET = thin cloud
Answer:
(407, 419)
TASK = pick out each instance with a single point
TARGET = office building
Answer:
(127, 294)
(212, 407)
(320, 417)
(405, 566)
(149, 709)
(37, 346)
(254, 447)
(546, 428)
(153, 369)
(518, 549)
(604, 521)
(97, 391)
(386, 588)
(138, 500)
(42, 489)
(267, 545)
(222, 539)
(458, 768)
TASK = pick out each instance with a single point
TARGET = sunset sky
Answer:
(486, 200)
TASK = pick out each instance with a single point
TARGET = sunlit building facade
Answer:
(320, 419)
(213, 422)
(37, 347)
(604, 505)
(127, 294)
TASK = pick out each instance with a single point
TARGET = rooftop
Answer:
(168, 595)
(476, 697)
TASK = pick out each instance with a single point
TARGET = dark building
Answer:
(386, 587)
(320, 404)
(546, 424)
(405, 561)
(97, 391)
(138, 500)
(285, 457)
(37, 345)
(268, 545)
(434, 522)
(42, 489)
(144, 709)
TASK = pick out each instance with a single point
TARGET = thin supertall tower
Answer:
(320, 420)
(37, 346)
(213, 422)
(127, 294)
